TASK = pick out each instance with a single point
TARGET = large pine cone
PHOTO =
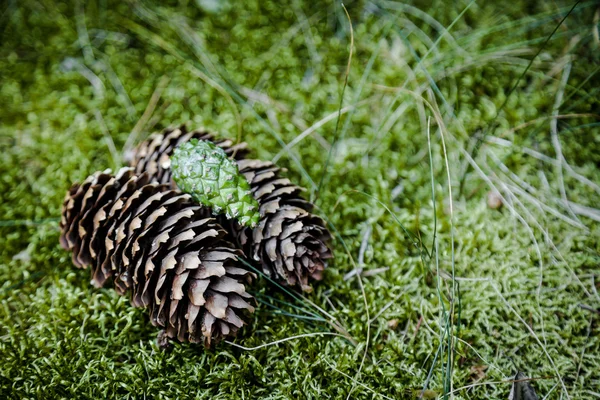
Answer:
(153, 155)
(289, 241)
(162, 247)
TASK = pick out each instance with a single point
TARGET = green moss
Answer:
(75, 82)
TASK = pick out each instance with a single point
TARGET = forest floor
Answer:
(459, 168)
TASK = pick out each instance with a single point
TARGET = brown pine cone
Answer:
(162, 247)
(289, 241)
(153, 155)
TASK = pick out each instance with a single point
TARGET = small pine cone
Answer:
(163, 248)
(153, 155)
(289, 241)
(204, 171)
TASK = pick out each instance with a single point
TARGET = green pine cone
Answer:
(203, 170)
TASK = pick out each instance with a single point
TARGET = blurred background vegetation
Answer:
(458, 167)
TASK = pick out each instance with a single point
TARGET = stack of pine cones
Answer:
(137, 230)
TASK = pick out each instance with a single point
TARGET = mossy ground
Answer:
(507, 289)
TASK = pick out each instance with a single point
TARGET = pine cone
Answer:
(153, 155)
(289, 241)
(204, 171)
(162, 247)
